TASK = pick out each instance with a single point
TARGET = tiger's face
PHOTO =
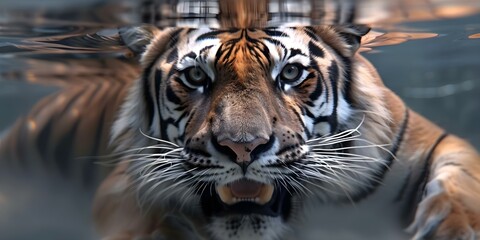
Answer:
(243, 125)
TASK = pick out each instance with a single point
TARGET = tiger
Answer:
(243, 133)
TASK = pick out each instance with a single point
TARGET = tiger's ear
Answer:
(147, 41)
(344, 38)
(139, 37)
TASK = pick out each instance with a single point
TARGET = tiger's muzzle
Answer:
(246, 128)
(246, 196)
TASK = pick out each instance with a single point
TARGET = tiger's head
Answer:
(246, 126)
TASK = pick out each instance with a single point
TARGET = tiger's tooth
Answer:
(266, 194)
(225, 195)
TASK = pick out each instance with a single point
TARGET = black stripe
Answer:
(347, 86)
(309, 114)
(190, 30)
(219, 54)
(171, 96)
(277, 43)
(314, 64)
(172, 56)
(265, 52)
(318, 89)
(147, 97)
(89, 169)
(89, 100)
(275, 33)
(162, 123)
(428, 160)
(310, 31)
(315, 50)
(180, 108)
(414, 196)
(320, 119)
(63, 150)
(158, 82)
(191, 115)
(294, 52)
(300, 88)
(191, 55)
(334, 74)
(21, 151)
(180, 118)
(299, 118)
(174, 36)
(42, 142)
(208, 35)
(398, 198)
(310, 104)
(204, 49)
(307, 131)
(258, 53)
(73, 99)
(181, 137)
(380, 175)
(214, 34)
(324, 86)
(163, 127)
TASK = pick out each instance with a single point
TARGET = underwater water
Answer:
(51, 52)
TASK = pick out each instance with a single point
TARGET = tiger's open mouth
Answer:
(247, 197)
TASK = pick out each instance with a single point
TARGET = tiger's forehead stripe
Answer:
(210, 46)
(208, 41)
(251, 54)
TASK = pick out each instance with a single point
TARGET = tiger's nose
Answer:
(243, 150)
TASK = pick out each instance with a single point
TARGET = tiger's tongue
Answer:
(246, 188)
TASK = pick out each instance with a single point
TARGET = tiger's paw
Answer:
(440, 216)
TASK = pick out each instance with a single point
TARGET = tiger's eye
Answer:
(291, 73)
(196, 76)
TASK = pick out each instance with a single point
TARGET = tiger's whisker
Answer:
(157, 139)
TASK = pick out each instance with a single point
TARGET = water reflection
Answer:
(376, 39)
(67, 63)
(476, 35)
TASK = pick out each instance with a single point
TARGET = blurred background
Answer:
(63, 72)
